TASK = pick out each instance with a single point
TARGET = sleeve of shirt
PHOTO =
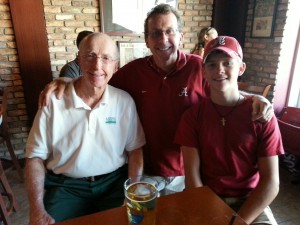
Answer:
(187, 133)
(136, 137)
(270, 142)
(36, 145)
(70, 70)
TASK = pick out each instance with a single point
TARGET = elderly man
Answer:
(78, 147)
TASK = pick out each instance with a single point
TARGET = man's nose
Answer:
(220, 68)
(163, 36)
(98, 62)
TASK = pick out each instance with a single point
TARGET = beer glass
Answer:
(141, 194)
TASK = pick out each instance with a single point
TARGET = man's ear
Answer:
(146, 41)
(242, 68)
(79, 59)
(181, 38)
(117, 66)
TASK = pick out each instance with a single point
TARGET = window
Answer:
(289, 66)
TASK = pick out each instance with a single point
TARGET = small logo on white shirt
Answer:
(110, 120)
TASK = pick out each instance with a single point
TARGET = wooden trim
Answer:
(32, 44)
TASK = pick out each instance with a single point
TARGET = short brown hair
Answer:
(162, 9)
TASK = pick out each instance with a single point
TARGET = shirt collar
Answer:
(180, 63)
(79, 103)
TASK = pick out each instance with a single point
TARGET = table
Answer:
(198, 206)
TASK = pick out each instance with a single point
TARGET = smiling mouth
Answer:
(221, 79)
(164, 49)
(97, 75)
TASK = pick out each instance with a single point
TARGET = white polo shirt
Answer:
(78, 141)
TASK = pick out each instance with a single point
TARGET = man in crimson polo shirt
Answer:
(163, 86)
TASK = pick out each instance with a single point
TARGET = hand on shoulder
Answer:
(58, 85)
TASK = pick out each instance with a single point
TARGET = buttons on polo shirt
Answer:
(92, 121)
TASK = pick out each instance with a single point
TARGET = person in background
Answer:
(163, 85)
(222, 147)
(205, 35)
(78, 147)
(72, 69)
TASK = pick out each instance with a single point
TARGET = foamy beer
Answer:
(141, 194)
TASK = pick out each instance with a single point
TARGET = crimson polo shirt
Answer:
(229, 154)
(161, 100)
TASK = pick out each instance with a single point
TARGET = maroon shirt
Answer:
(229, 154)
(161, 100)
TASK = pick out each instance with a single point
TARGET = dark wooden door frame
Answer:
(230, 18)
(32, 45)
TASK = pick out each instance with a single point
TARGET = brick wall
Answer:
(66, 18)
(10, 76)
(262, 54)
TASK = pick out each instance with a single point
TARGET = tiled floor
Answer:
(286, 206)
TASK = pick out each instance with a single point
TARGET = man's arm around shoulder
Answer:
(262, 109)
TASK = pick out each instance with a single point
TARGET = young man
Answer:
(222, 147)
(163, 86)
(78, 147)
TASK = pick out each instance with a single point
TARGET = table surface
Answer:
(198, 206)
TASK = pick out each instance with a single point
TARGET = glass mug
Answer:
(141, 195)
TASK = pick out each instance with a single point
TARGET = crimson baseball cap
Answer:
(227, 44)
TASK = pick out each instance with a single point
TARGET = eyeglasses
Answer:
(92, 58)
(158, 33)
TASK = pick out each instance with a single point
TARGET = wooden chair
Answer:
(5, 136)
(8, 203)
(255, 89)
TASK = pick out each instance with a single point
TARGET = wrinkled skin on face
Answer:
(96, 73)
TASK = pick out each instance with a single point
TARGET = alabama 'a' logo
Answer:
(183, 92)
